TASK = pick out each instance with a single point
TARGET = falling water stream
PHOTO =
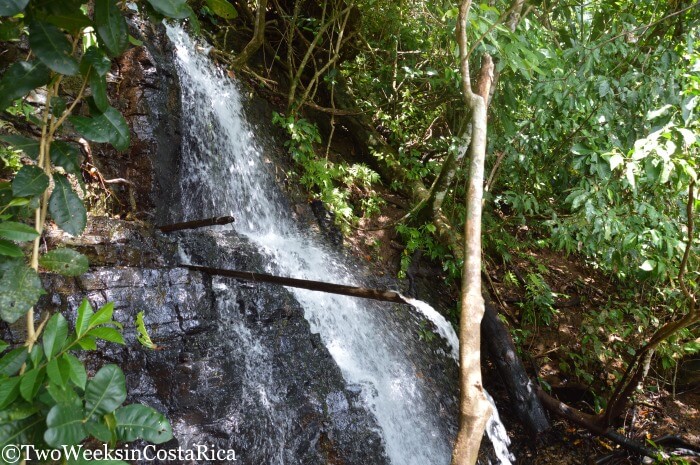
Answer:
(224, 172)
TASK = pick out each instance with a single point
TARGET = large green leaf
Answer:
(12, 7)
(67, 156)
(11, 362)
(77, 370)
(85, 312)
(99, 430)
(106, 391)
(107, 334)
(17, 231)
(64, 395)
(55, 335)
(176, 9)
(66, 208)
(31, 382)
(140, 421)
(103, 315)
(29, 181)
(69, 20)
(95, 59)
(30, 147)
(98, 87)
(67, 262)
(111, 26)
(52, 47)
(9, 249)
(20, 78)
(20, 288)
(65, 426)
(222, 8)
(9, 390)
(58, 370)
(109, 126)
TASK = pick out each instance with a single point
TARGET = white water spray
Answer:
(224, 173)
(494, 428)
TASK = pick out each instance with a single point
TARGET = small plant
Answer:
(539, 300)
(47, 398)
(333, 183)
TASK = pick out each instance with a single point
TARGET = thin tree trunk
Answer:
(474, 407)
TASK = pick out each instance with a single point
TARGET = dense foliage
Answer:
(593, 145)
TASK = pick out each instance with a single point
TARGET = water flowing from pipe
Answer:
(225, 171)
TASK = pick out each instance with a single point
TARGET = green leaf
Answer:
(3, 346)
(30, 147)
(9, 249)
(37, 355)
(20, 289)
(65, 426)
(58, 370)
(55, 335)
(70, 21)
(95, 59)
(67, 262)
(134, 41)
(77, 370)
(87, 343)
(99, 431)
(140, 421)
(12, 7)
(66, 208)
(98, 86)
(111, 26)
(648, 265)
(103, 315)
(12, 361)
(17, 231)
(67, 156)
(18, 202)
(109, 126)
(108, 334)
(20, 78)
(223, 9)
(29, 181)
(106, 391)
(64, 395)
(31, 382)
(142, 333)
(9, 391)
(52, 48)
(176, 9)
(85, 312)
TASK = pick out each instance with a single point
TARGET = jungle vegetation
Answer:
(570, 127)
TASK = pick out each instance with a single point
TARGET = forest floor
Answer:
(551, 350)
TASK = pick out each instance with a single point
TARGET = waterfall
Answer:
(224, 173)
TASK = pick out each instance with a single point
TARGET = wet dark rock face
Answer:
(237, 366)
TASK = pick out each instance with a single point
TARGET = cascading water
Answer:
(223, 172)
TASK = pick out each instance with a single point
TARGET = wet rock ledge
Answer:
(236, 367)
